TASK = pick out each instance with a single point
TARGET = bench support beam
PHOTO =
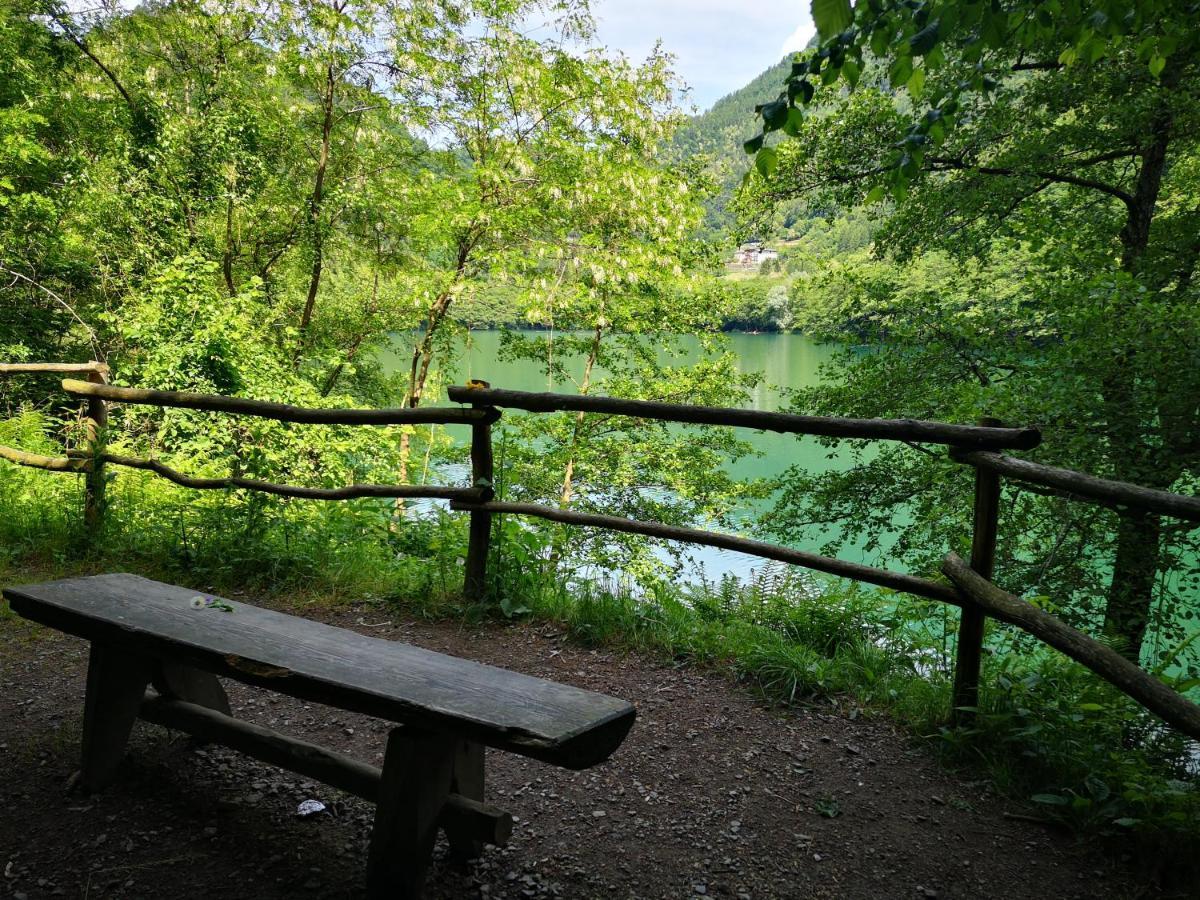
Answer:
(191, 685)
(418, 769)
(463, 817)
(116, 681)
(467, 782)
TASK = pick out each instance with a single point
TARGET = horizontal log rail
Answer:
(60, 368)
(1088, 487)
(911, 430)
(1141, 686)
(482, 821)
(897, 581)
(280, 412)
(973, 445)
(349, 492)
(49, 463)
(79, 461)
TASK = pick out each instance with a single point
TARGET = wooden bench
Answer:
(145, 633)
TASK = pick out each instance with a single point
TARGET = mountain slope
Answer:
(717, 136)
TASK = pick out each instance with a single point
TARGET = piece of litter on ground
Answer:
(310, 808)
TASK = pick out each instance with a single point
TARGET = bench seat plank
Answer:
(530, 716)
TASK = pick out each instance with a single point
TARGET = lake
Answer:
(783, 360)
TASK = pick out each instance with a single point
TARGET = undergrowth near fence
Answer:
(231, 541)
(1048, 733)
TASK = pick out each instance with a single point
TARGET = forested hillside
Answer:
(714, 138)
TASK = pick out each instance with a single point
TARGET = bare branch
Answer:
(93, 339)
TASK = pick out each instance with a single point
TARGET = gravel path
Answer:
(713, 794)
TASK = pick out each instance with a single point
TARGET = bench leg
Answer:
(193, 685)
(116, 683)
(467, 782)
(417, 770)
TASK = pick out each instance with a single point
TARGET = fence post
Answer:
(95, 426)
(482, 476)
(983, 561)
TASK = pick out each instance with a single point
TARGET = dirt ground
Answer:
(713, 794)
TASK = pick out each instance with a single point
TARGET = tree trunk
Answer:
(564, 497)
(568, 484)
(1138, 550)
(422, 356)
(227, 256)
(1135, 571)
(352, 351)
(315, 204)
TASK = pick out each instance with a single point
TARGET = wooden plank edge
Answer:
(897, 581)
(592, 745)
(482, 821)
(1129, 679)
(906, 430)
(262, 674)
(1103, 491)
(281, 412)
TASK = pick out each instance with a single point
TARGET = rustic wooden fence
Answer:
(970, 586)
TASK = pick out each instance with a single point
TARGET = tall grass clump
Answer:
(230, 540)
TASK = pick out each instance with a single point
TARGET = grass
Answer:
(229, 541)
(1047, 731)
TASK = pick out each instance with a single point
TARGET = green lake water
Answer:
(783, 361)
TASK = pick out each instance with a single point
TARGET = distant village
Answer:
(753, 254)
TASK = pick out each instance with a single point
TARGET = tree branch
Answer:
(942, 164)
(56, 15)
(95, 342)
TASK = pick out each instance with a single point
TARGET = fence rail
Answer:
(909, 430)
(896, 581)
(59, 368)
(970, 588)
(1082, 486)
(280, 412)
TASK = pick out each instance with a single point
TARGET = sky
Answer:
(719, 45)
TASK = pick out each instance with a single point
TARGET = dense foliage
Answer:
(1034, 262)
(254, 198)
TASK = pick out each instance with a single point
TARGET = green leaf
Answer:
(1157, 64)
(831, 17)
(879, 42)
(775, 115)
(766, 161)
(900, 71)
(925, 39)
(753, 145)
(916, 82)
(1050, 799)
(851, 71)
(876, 194)
(802, 89)
(995, 28)
(795, 119)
